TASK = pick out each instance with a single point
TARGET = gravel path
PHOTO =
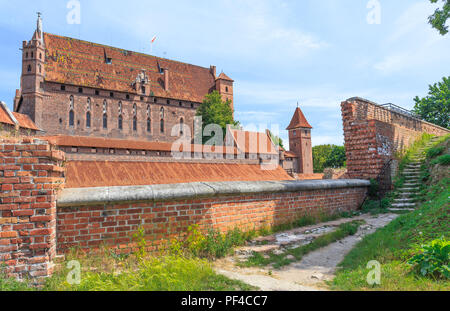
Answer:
(312, 271)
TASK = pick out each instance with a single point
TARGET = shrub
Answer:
(434, 152)
(443, 160)
(434, 259)
(373, 189)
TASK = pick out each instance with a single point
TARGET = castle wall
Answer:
(373, 134)
(56, 108)
(30, 175)
(94, 217)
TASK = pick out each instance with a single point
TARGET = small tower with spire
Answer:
(300, 142)
(33, 72)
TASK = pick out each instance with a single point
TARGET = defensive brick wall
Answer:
(373, 134)
(31, 173)
(92, 217)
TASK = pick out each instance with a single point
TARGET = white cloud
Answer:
(414, 43)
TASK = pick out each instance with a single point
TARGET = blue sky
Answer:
(278, 52)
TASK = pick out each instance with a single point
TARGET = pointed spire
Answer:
(298, 120)
(39, 33)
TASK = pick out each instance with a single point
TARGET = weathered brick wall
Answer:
(30, 175)
(373, 134)
(114, 224)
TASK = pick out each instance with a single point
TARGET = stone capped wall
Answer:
(31, 173)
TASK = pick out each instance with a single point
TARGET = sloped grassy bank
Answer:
(395, 245)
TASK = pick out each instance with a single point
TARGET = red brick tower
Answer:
(300, 142)
(224, 85)
(33, 72)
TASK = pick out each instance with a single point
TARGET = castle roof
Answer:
(253, 142)
(298, 120)
(13, 118)
(99, 142)
(84, 174)
(77, 62)
(223, 76)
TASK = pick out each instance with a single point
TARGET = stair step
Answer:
(403, 205)
(401, 209)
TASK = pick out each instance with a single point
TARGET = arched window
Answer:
(149, 125)
(29, 68)
(71, 118)
(120, 118)
(71, 111)
(120, 122)
(181, 126)
(161, 114)
(88, 119)
(105, 115)
(135, 123)
(88, 113)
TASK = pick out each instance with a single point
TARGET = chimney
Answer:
(213, 70)
(166, 79)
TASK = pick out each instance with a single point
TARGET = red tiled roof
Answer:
(289, 154)
(78, 62)
(4, 117)
(98, 142)
(25, 121)
(223, 76)
(83, 174)
(255, 142)
(298, 120)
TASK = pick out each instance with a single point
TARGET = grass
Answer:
(396, 243)
(278, 261)
(106, 273)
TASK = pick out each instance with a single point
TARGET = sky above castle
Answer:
(317, 53)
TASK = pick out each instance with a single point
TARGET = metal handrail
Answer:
(400, 110)
(378, 179)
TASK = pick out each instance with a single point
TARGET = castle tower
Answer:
(32, 78)
(224, 85)
(300, 142)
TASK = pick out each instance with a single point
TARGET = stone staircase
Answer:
(406, 194)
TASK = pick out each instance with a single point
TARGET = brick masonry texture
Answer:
(373, 134)
(31, 173)
(113, 224)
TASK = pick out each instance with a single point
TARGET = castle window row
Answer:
(155, 100)
(120, 118)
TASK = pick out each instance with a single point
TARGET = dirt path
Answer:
(313, 270)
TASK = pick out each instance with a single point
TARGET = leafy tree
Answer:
(214, 110)
(435, 108)
(276, 140)
(439, 18)
(325, 156)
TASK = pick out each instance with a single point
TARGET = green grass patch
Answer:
(443, 160)
(434, 152)
(278, 261)
(404, 238)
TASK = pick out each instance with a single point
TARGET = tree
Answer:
(435, 108)
(276, 140)
(439, 18)
(214, 110)
(326, 156)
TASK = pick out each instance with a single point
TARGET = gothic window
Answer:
(134, 117)
(40, 69)
(181, 126)
(161, 115)
(29, 68)
(32, 54)
(26, 55)
(120, 122)
(88, 113)
(226, 89)
(105, 115)
(149, 125)
(71, 118)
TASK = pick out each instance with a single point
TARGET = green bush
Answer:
(434, 259)
(443, 160)
(434, 152)
(373, 189)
